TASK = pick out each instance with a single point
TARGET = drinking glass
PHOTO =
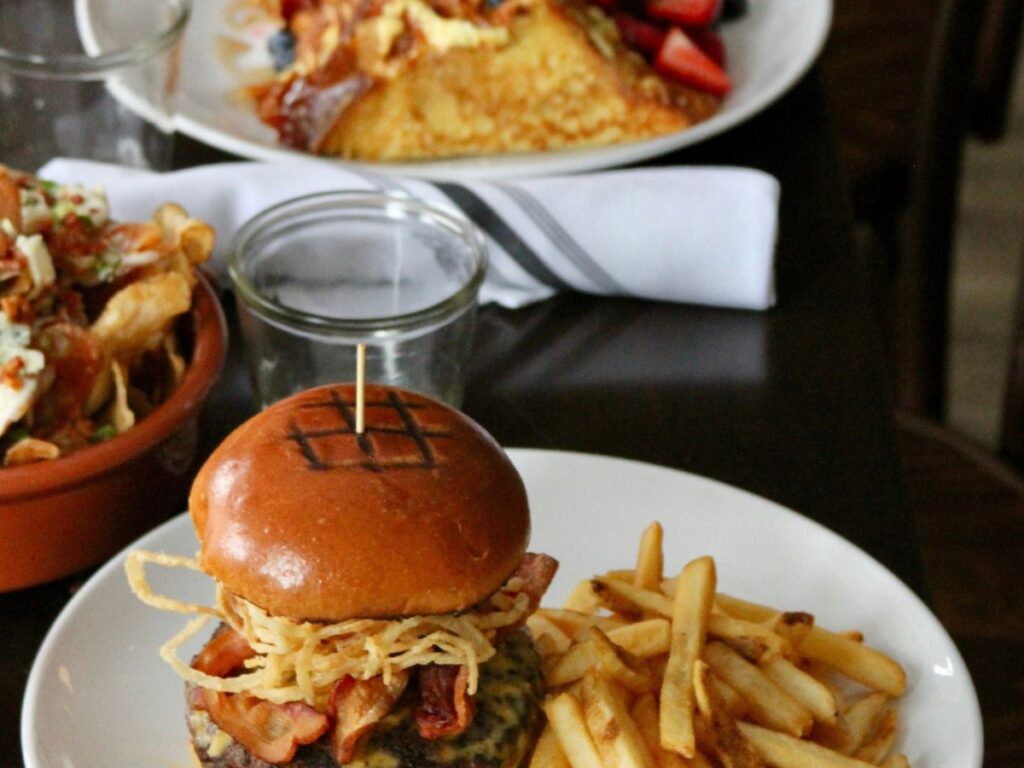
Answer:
(318, 275)
(90, 79)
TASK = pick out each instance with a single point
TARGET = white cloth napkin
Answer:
(696, 235)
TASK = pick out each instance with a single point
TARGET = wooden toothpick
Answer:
(360, 387)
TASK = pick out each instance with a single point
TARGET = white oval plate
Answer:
(769, 49)
(99, 696)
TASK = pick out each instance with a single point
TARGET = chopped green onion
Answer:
(17, 433)
(104, 433)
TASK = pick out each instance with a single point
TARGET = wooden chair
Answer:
(969, 507)
(901, 76)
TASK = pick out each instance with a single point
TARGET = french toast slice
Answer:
(564, 79)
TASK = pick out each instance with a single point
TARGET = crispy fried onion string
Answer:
(302, 661)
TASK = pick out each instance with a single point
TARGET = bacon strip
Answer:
(271, 732)
(536, 571)
(445, 709)
(359, 705)
(225, 653)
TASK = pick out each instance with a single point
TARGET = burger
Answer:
(372, 590)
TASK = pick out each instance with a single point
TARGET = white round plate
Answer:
(99, 696)
(768, 50)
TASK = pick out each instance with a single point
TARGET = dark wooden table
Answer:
(792, 404)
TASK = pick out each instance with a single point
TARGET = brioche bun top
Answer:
(421, 514)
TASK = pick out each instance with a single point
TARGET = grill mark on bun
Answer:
(371, 461)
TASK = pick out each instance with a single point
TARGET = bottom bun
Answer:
(502, 732)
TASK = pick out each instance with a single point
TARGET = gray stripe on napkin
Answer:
(488, 219)
(561, 239)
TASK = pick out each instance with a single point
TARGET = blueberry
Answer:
(282, 49)
(733, 9)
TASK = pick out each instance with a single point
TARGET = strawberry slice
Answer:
(689, 13)
(638, 34)
(710, 42)
(681, 59)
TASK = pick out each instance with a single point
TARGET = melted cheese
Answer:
(40, 265)
(443, 34)
(35, 211)
(377, 35)
(16, 401)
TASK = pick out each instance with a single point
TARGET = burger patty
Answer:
(507, 707)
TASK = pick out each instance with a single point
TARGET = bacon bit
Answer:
(75, 237)
(445, 709)
(10, 374)
(10, 201)
(18, 309)
(69, 307)
(271, 732)
(359, 705)
(76, 358)
(226, 652)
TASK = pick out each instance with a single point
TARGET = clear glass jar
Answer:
(317, 275)
(90, 79)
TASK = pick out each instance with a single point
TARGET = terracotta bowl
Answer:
(62, 516)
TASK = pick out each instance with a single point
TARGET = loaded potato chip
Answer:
(87, 308)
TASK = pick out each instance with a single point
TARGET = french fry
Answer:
(879, 743)
(828, 677)
(855, 660)
(701, 683)
(645, 714)
(735, 705)
(616, 736)
(852, 634)
(599, 653)
(854, 725)
(541, 627)
(769, 704)
(691, 607)
(858, 662)
(565, 715)
(753, 640)
(582, 599)
(622, 597)
(651, 637)
(895, 761)
(862, 718)
(793, 626)
(807, 691)
(781, 750)
(621, 666)
(720, 662)
(574, 622)
(743, 609)
(547, 753)
(731, 747)
(649, 559)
